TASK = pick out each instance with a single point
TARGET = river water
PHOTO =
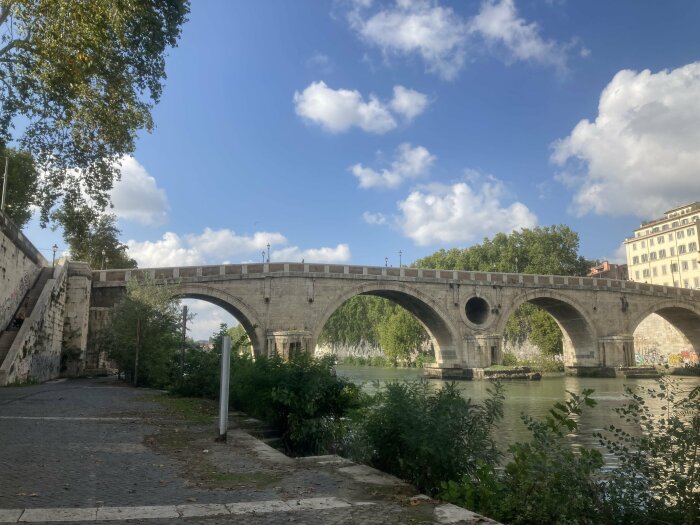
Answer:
(534, 398)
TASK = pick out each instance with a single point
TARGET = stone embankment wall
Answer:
(658, 342)
(20, 265)
(344, 351)
(35, 354)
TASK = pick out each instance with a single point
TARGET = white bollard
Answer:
(223, 395)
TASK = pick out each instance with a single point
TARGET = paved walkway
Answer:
(95, 451)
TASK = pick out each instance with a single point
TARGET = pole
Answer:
(4, 186)
(223, 395)
(136, 359)
(184, 340)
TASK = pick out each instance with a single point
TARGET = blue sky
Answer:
(350, 130)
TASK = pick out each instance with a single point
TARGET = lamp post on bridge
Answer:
(54, 248)
(263, 256)
(400, 254)
(386, 262)
(268, 252)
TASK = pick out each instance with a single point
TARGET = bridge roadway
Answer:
(284, 306)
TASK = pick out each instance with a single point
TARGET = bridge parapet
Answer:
(104, 278)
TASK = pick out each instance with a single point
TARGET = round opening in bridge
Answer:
(477, 310)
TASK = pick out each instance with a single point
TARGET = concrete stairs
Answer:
(640, 372)
(23, 312)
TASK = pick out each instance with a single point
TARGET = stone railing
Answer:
(36, 351)
(258, 270)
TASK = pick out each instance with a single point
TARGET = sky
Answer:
(349, 131)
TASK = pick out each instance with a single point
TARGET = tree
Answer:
(549, 250)
(21, 185)
(144, 334)
(84, 77)
(401, 336)
(93, 237)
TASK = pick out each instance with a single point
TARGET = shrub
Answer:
(659, 475)
(425, 436)
(547, 481)
(509, 359)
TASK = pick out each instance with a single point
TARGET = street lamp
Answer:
(103, 259)
(268, 252)
(263, 256)
(400, 254)
(386, 262)
(53, 258)
(516, 264)
(4, 185)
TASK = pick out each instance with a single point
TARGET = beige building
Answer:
(665, 251)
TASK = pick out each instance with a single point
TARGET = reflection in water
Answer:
(535, 398)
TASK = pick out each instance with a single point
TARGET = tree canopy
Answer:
(21, 187)
(83, 78)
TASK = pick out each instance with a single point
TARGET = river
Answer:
(534, 398)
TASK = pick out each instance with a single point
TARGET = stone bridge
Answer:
(284, 306)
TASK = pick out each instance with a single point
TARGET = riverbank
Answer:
(101, 450)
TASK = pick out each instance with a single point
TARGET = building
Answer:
(665, 251)
(606, 270)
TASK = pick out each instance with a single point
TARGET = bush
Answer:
(425, 436)
(547, 481)
(659, 475)
(509, 359)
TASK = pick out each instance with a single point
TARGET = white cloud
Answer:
(641, 154)
(408, 102)
(341, 253)
(137, 197)
(499, 25)
(459, 212)
(224, 246)
(409, 163)
(437, 34)
(374, 218)
(168, 251)
(442, 38)
(208, 318)
(338, 110)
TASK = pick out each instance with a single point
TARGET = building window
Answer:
(651, 242)
(662, 254)
(684, 221)
(644, 244)
(681, 249)
(692, 247)
(634, 246)
(674, 267)
(685, 283)
(690, 232)
(664, 227)
(660, 239)
(674, 224)
(645, 273)
(680, 234)
(635, 259)
(684, 265)
(670, 236)
(673, 251)
(652, 256)
(655, 229)
(653, 271)
(636, 274)
(663, 270)
(645, 257)
(695, 264)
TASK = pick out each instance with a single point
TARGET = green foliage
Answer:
(377, 360)
(547, 481)
(658, 478)
(549, 250)
(509, 359)
(84, 77)
(529, 322)
(93, 238)
(401, 336)
(425, 436)
(145, 323)
(376, 321)
(22, 177)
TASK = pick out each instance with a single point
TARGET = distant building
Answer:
(665, 251)
(606, 270)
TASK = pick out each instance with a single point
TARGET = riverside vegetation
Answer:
(433, 437)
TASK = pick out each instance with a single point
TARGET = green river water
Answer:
(534, 398)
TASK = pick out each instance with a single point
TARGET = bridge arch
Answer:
(580, 334)
(683, 316)
(442, 333)
(245, 314)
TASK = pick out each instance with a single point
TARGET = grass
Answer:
(194, 410)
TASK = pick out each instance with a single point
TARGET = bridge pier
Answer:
(616, 350)
(488, 351)
(288, 343)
